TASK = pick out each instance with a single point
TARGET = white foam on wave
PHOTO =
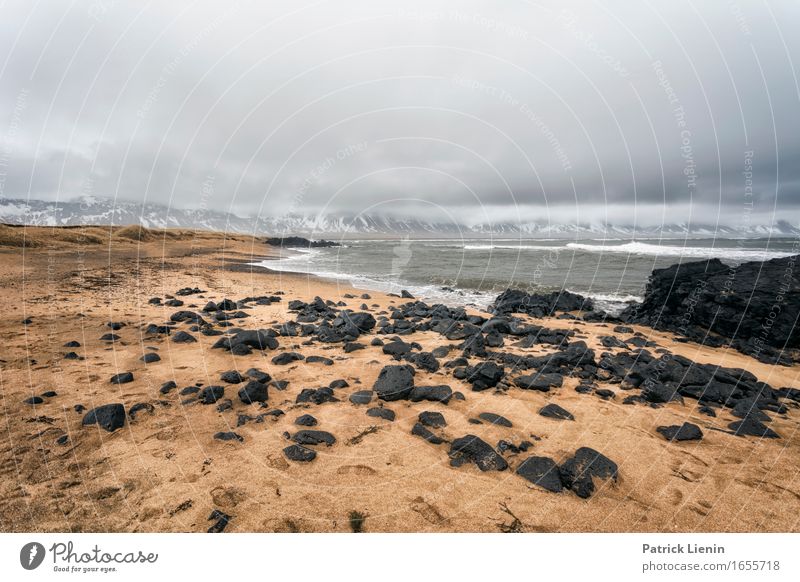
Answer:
(637, 248)
(303, 264)
(491, 247)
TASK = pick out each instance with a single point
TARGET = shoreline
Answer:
(164, 470)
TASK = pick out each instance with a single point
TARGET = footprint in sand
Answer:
(429, 512)
(360, 470)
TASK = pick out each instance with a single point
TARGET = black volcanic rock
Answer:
(578, 472)
(379, 412)
(287, 358)
(314, 437)
(298, 242)
(210, 394)
(122, 378)
(752, 427)
(228, 436)
(684, 432)
(253, 391)
(394, 383)
(150, 358)
(539, 305)
(471, 448)
(552, 410)
(233, 377)
(299, 453)
(420, 431)
(183, 337)
(496, 419)
(710, 302)
(539, 381)
(306, 420)
(484, 375)
(432, 419)
(361, 397)
(441, 393)
(109, 416)
(541, 471)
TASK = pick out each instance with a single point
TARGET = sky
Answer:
(471, 111)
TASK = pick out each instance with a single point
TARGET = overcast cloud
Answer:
(474, 110)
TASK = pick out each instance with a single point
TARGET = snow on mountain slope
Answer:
(106, 211)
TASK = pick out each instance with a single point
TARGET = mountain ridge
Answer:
(107, 211)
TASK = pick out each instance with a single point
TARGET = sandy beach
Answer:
(164, 471)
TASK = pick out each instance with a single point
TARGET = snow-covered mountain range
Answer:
(106, 211)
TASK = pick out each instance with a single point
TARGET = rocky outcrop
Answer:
(753, 307)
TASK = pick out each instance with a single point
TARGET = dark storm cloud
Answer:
(476, 110)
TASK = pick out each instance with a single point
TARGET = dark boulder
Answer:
(470, 448)
(578, 473)
(183, 337)
(109, 416)
(210, 394)
(484, 375)
(397, 349)
(317, 396)
(752, 427)
(541, 471)
(441, 393)
(726, 305)
(319, 360)
(314, 437)
(232, 377)
(539, 381)
(299, 453)
(150, 358)
(394, 382)
(253, 391)
(684, 432)
(539, 305)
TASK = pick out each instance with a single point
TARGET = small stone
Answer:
(493, 418)
(228, 436)
(555, 411)
(384, 413)
(432, 419)
(151, 358)
(210, 394)
(122, 378)
(306, 420)
(420, 431)
(361, 397)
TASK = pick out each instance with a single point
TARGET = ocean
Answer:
(474, 271)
